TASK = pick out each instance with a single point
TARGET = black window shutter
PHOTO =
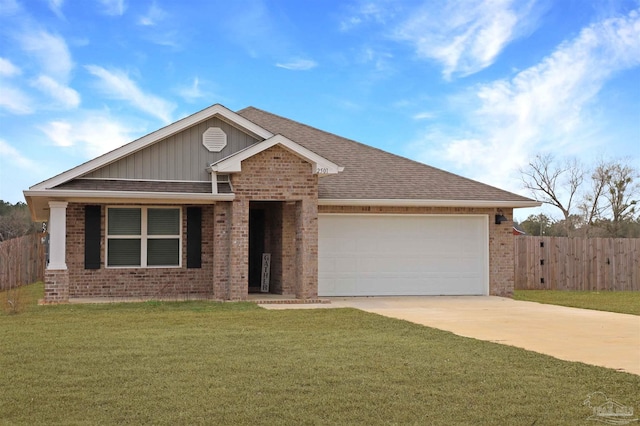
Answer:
(194, 237)
(92, 237)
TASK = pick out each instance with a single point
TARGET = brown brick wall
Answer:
(56, 286)
(272, 175)
(222, 249)
(137, 282)
(289, 249)
(278, 175)
(501, 270)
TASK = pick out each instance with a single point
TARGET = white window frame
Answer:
(144, 237)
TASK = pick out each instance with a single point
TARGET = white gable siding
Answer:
(178, 157)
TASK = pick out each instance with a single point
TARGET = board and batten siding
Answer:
(178, 157)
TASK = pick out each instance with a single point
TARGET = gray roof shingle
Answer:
(371, 173)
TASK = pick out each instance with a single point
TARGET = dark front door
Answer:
(256, 248)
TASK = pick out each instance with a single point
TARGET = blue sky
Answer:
(474, 87)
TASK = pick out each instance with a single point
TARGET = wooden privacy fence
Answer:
(592, 264)
(22, 261)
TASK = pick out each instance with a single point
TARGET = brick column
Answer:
(501, 256)
(239, 262)
(307, 249)
(221, 250)
(289, 245)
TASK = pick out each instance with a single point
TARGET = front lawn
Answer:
(624, 302)
(235, 363)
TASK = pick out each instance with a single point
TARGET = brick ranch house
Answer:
(190, 209)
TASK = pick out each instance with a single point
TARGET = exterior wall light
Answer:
(500, 217)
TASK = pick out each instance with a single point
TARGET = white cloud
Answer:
(193, 92)
(56, 7)
(547, 107)
(424, 115)
(366, 12)
(59, 132)
(66, 96)
(464, 36)
(171, 38)
(298, 65)
(94, 133)
(153, 16)
(113, 7)
(15, 100)
(50, 50)
(9, 153)
(7, 69)
(117, 85)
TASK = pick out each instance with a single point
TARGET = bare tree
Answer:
(622, 192)
(552, 183)
(612, 199)
(592, 207)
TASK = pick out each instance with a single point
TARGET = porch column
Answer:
(239, 241)
(57, 235)
(222, 250)
(307, 248)
(56, 276)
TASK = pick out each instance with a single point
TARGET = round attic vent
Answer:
(214, 139)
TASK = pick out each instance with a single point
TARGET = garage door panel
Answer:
(402, 255)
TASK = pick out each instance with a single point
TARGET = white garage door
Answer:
(376, 255)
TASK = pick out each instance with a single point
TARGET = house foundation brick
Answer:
(56, 286)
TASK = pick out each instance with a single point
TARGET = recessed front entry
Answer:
(267, 231)
(385, 255)
(256, 247)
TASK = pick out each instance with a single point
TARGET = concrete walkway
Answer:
(592, 337)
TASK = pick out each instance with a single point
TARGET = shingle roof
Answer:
(370, 173)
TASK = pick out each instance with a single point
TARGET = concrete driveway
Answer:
(593, 337)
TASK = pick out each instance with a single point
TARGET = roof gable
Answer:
(233, 163)
(216, 110)
(181, 156)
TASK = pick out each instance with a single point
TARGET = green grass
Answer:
(624, 302)
(235, 363)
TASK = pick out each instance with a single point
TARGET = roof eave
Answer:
(428, 203)
(38, 201)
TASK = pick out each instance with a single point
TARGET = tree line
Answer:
(597, 201)
(15, 220)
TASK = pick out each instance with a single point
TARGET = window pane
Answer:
(163, 221)
(164, 252)
(124, 221)
(121, 252)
